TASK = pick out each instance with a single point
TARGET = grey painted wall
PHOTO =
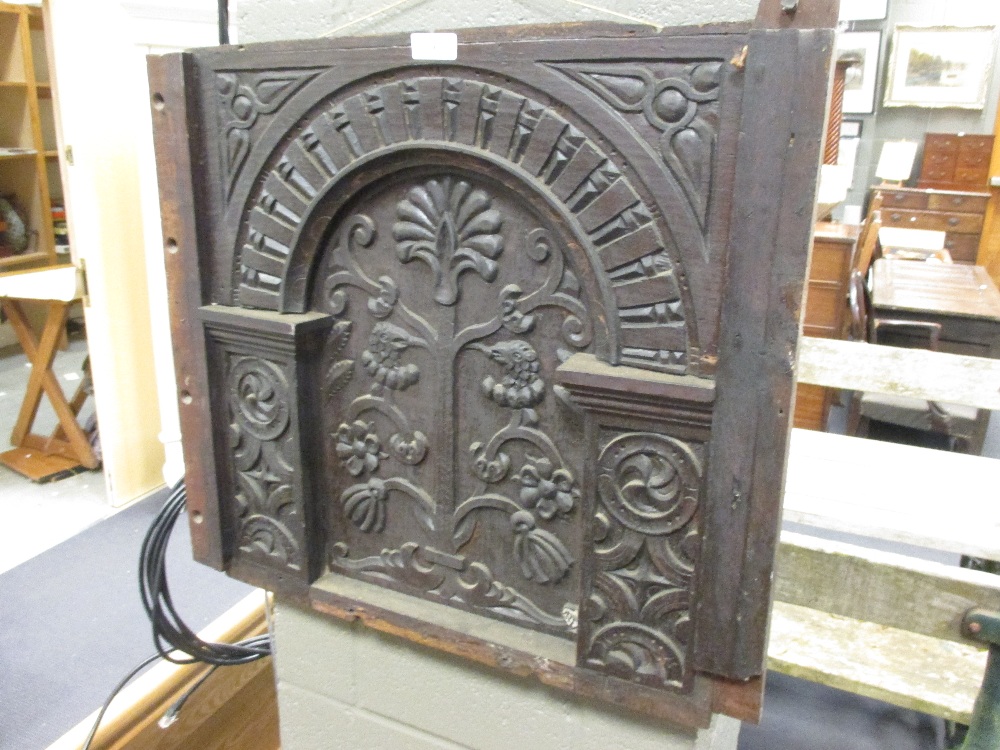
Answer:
(911, 123)
(342, 686)
(269, 20)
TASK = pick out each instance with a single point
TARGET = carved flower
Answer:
(453, 229)
(381, 359)
(543, 558)
(548, 490)
(358, 447)
(520, 387)
(410, 449)
(490, 471)
(364, 505)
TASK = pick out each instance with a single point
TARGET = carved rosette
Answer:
(269, 521)
(635, 619)
(448, 225)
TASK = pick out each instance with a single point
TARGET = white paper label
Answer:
(434, 46)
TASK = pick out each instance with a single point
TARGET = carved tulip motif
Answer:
(364, 505)
(543, 558)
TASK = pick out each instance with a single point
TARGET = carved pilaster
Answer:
(649, 431)
(260, 365)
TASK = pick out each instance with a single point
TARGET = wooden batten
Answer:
(881, 587)
(236, 707)
(939, 376)
(176, 176)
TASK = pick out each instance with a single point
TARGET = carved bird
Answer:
(520, 387)
(381, 358)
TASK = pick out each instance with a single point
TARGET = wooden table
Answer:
(67, 449)
(963, 299)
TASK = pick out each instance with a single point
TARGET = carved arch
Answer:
(645, 295)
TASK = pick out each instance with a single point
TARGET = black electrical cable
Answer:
(170, 633)
(125, 681)
(174, 640)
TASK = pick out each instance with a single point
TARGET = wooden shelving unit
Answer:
(29, 160)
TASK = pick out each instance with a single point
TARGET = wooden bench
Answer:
(882, 624)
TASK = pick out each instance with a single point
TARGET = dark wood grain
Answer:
(494, 343)
(174, 131)
(772, 227)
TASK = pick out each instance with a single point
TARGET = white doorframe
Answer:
(99, 75)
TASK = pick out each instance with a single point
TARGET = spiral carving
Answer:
(259, 393)
(649, 482)
(636, 622)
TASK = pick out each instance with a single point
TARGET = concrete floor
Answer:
(44, 514)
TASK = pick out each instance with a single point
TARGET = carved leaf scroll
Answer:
(243, 97)
(270, 523)
(680, 103)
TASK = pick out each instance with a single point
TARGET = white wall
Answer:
(341, 686)
(99, 50)
(157, 28)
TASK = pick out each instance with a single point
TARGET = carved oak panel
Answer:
(455, 301)
(461, 344)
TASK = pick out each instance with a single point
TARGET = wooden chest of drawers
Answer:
(956, 161)
(959, 214)
(826, 310)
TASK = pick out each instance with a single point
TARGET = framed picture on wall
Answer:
(863, 10)
(859, 49)
(940, 66)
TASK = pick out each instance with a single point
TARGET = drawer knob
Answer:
(956, 201)
(953, 222)
(896, 217)
(913, 219)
